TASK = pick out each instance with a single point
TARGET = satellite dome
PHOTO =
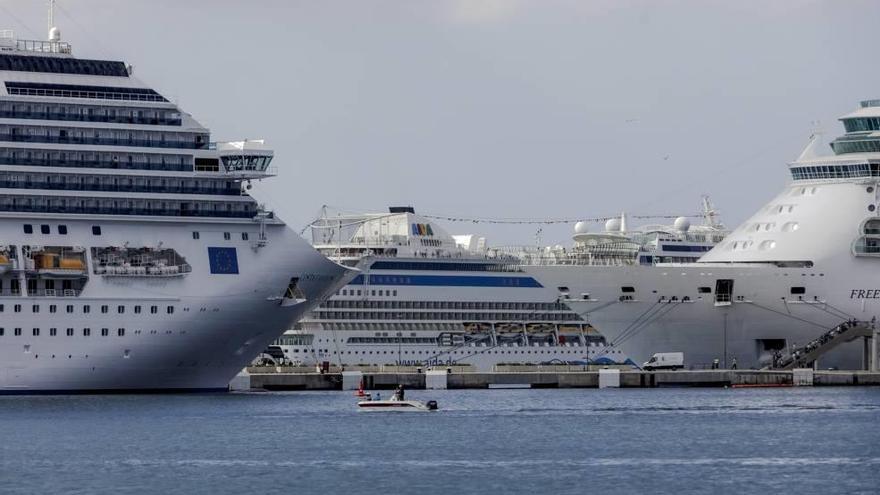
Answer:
(581, 228)
(612, 225)
(682, 224)
(54, 34)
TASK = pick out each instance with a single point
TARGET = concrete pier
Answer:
(270, 379)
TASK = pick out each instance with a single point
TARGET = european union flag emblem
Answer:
(223, 260)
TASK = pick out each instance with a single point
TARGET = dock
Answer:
(270, 379)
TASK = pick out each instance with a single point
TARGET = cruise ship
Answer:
(132, 257)
(803, 265)
(426, 297)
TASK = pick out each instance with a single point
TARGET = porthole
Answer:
(869, 189)
(766, 245)
(871, 207)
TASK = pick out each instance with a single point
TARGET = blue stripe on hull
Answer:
(447, 281)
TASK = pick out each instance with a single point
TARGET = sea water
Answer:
(800, 440)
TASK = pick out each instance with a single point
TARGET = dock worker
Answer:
(733, 364)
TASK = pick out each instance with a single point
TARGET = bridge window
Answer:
(207, 165)
(798, 290)
(58, 65)
(28, 228)
(96, 230)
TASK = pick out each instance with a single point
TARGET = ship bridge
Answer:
(248, 159)
(862, 130)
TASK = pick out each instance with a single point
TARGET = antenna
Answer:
(54, 32)
(710, 214)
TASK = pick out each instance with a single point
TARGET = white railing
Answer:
(43, 46)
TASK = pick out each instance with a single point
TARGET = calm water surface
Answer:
(500, 441)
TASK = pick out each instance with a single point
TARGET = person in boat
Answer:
(398, 393)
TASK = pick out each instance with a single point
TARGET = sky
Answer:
(497, 109)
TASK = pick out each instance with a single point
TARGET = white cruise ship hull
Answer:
(745, 329)
(217, 324)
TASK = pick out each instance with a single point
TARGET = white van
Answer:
(665, 361)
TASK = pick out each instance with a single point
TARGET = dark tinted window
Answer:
(44, 229)
(96, 230)
(627, 289)
(798, 290)
(63, 65)
(28, 228)
(62, 229)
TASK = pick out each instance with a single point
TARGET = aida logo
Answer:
(422, 229)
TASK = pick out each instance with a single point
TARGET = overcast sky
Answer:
(498, 108)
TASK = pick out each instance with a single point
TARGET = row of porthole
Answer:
(745, 245)
(804, 191)
(870, 190)
(86, 309)
(227, 236)
(86, 332)
(779, 209)
(768, 226)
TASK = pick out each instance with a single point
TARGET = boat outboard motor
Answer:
(432, 405)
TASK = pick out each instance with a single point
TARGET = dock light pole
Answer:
(875, 334)
(724, 338)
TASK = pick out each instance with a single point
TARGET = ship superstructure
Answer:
(424, 299)
(799, 267)
(618, 245)
(132, 257)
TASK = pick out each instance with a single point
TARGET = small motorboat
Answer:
(397, 405)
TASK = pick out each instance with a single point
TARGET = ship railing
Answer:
(78, 117)
(867, 245)
(117, 270)
(144, 143)
(43, 46)
(86, 187)
(54, 292)
(801, 356)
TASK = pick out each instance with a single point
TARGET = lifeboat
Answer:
(53, 265)
(5, 263)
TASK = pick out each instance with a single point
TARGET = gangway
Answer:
(807, 354)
